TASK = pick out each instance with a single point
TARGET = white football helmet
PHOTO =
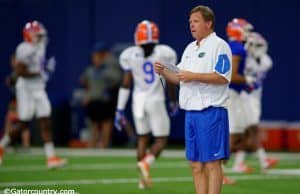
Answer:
(34, 32)
(256, 45)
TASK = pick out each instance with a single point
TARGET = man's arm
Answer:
(208, 78)
(168, 75)
(123, 95)
(22, 71)
(236, 77)
(127, 80)
(124, 91)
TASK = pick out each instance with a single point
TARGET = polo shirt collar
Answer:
(197, 44)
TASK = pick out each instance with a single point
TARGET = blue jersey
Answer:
(237, 49)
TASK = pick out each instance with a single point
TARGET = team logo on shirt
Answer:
(200, 55)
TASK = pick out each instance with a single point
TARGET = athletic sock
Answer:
(239, 158)
(49, 149)
(150, 158)
(5, 141)
(261, 154)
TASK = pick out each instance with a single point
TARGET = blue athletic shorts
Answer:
(207, 134)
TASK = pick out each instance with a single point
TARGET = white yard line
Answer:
(110, 166)
(125, 166)
(130, 180)
(284, 172)
(71, 152)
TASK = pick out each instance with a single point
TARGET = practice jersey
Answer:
(147, 84)
(211, 55)
(237, 49)
(33, 56)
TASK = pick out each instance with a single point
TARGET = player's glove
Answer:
(49, 68)
(120, 120)
(250, 79)
(253, 83)
(173, 108)
(250, 87)
(45, 76)
(51, 64)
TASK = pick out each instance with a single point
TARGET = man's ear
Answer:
(209, 24)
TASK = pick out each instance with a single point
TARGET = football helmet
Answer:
(238, 29)
(146, 32)
(34, 32)
(256, 44)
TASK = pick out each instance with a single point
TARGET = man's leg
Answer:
(94, 134)
(142, 145)
(200, 177)
(9, 134)
(156, 149)
(105, 130)
(237, 143)
(46, 134)
(160, 127)
(52, 160)
(143, 167)
(215, 175)
(45, 125)
(254, 145)
(26, 138)
(158, 146)
(251, 138)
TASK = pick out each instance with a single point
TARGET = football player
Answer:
(30, 89)
(148, 98)
(258, 64)
(237, 31)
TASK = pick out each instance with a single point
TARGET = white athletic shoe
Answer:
(56, 162)
(144, 170)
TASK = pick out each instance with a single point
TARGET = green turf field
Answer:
(114, 172)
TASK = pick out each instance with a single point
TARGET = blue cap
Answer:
(100, 46)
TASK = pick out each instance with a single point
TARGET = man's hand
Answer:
(45, 76)
(51, 64)
(253, 86)
(185, 76)
(120, 120)
(252, 83)
(158, 68)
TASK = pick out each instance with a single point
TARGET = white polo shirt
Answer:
(213, 54)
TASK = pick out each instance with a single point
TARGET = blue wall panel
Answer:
(74, 25)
